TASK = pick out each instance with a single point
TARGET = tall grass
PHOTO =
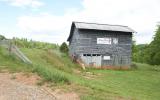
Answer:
(50, 74)
(11, 62)
(49, 69)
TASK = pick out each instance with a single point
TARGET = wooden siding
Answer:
(85, 42)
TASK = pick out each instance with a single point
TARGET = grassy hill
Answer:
(56, 68)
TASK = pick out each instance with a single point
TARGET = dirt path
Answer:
(21, 87)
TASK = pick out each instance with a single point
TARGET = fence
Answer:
(14, 49)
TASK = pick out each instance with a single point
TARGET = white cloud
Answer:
(25, 3)
(141, 15)
(44, 26)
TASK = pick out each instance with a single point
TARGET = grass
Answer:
(136, 84)
(11, 62)
(50, 74)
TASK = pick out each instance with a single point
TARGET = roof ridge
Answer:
(99, 24)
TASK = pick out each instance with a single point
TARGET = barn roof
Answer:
(96, 26)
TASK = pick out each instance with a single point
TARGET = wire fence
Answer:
(15, 50)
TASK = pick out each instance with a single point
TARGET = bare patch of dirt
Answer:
(29, 79)
(20, 86)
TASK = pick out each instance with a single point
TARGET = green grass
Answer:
(137, 84)
(142, 83)
(50, 74)
(11, 62)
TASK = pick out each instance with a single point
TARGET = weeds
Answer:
(50, 74)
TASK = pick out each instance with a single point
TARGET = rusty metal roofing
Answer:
(107, 27)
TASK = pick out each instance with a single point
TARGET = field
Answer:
(55, 68)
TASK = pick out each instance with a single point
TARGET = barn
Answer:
(100, 45)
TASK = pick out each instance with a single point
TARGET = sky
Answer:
(50, 20)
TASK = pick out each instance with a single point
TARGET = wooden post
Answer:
(10, 47)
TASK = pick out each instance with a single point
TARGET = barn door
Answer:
(92, 59)
(96, 59)
(106, 60)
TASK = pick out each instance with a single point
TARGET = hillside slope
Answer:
(57, 69)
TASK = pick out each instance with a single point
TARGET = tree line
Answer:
(148, 53)
(25, 43)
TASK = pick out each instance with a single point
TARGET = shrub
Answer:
(156, 59)
(64, 48)
(2, 37)
(134, 66)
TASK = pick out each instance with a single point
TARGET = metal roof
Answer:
(96, 26)
(107, 27)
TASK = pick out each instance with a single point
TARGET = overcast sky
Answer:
(50, 20)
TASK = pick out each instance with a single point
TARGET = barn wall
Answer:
(85, 42)
(73, 42)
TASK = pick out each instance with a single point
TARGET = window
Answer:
(98, 55)
(104, 40)
(115, 40)
(95, 54)
(84, 55)
(91, 55)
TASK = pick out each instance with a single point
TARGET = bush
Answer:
(156, 59)
(2, 37)
(64, 48)
(134, 66)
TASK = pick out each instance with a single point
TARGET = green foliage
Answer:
(141, 54)
(46, 64)
(2, 37)
(134, 66)
(156, 59)
(50, 74)
(155, 48)
(138, 84)
(11, 62)
(24, 43)
(148, 53)
(134, 50)
(142, 83)
(64, 48)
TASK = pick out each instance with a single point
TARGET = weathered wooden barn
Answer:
(100, 45)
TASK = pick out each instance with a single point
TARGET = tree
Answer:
(155, 48)
(148, 53)
(64, 48)
(2, 37)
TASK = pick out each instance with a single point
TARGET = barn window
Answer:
(88, 54)
(115, 40)
(104, 40)
(91, 54)
(95, 54)
(84, 54)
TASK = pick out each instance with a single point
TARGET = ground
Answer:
(20, 86)
(62, 79)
